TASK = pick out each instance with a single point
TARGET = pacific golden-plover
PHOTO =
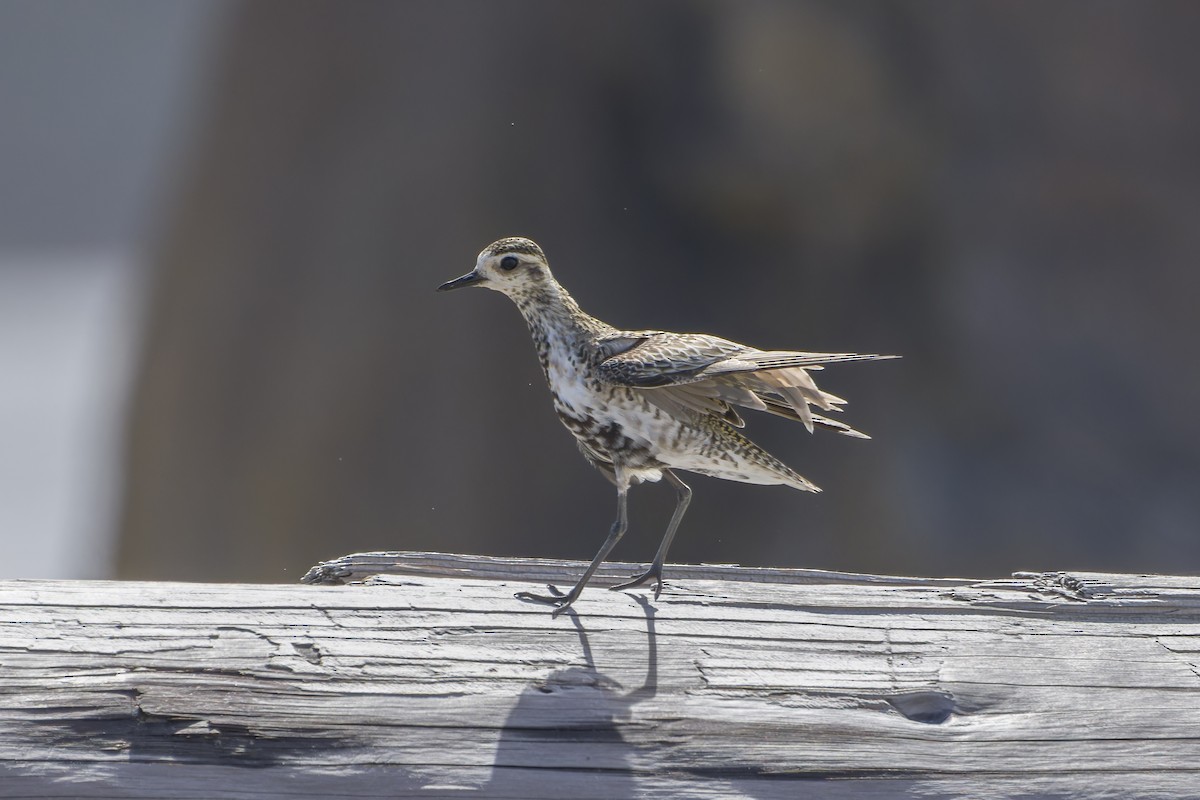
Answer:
(644, 403)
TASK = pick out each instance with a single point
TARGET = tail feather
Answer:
(786, 411)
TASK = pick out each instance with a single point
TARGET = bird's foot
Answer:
(556, 598)
(652, 574)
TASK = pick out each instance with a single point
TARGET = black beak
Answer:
(470, 279)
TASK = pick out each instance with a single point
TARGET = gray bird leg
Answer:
(563, 601)
(684, 496)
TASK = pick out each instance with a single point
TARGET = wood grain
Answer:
(433, 681)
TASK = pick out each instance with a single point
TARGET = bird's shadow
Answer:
(565, 726)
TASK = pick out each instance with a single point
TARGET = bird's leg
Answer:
(683, 497)
(563, 601)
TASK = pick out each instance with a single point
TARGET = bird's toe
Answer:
(556, 598)
(652, 574)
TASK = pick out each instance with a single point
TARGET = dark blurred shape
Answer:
(1005, 193)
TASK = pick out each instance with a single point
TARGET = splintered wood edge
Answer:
(1070, 585)
(1088, 592)
(359, 566)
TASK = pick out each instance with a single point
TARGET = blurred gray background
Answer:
(221, 224)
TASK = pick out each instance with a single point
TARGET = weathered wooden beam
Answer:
(433, 681)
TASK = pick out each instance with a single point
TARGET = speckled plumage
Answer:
(642, 403)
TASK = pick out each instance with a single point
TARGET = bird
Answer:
(643, 404)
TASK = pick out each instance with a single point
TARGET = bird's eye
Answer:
(509, 263)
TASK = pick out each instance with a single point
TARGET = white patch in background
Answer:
(67, 335)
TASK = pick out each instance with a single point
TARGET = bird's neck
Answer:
(556, 320)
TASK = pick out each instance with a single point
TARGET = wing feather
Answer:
(700, 374)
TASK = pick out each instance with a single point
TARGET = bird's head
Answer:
(515, 266)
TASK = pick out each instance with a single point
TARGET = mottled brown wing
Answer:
(665, 359)
(700, 374)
